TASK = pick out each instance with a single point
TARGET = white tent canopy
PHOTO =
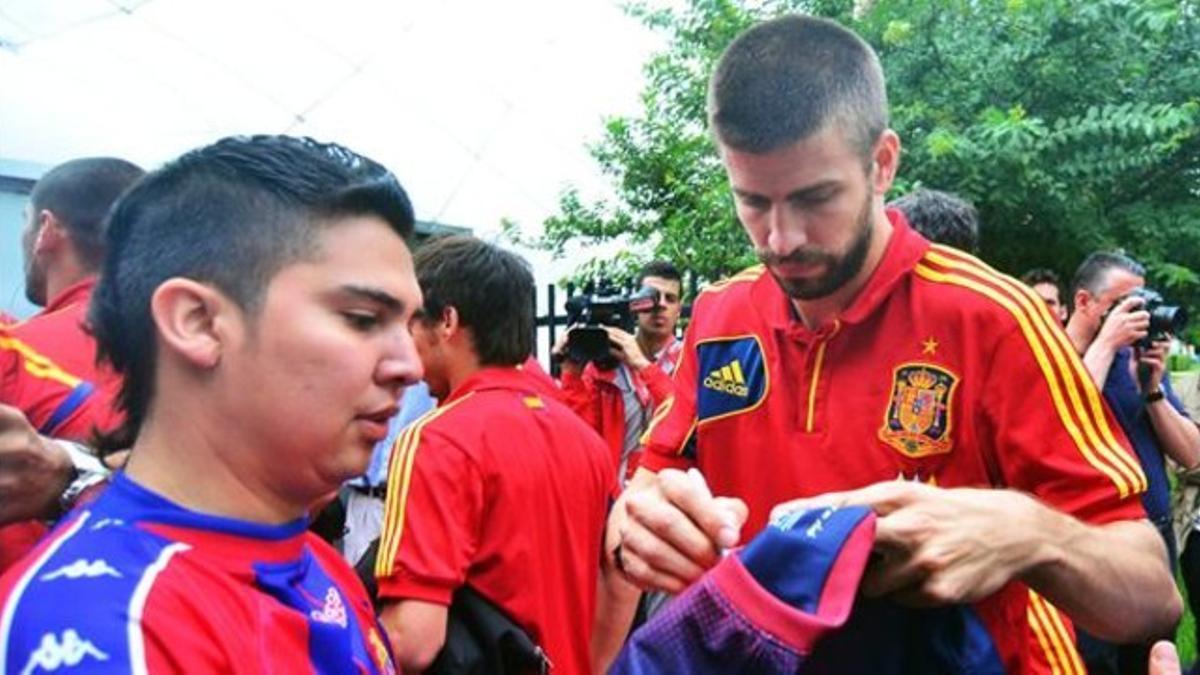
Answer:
(482, 108)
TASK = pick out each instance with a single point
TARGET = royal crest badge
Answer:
(918, 416)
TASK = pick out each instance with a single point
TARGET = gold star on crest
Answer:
(929, 346)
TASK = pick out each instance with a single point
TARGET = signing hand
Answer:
(671, 529)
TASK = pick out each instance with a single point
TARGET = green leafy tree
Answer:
(1073, 126)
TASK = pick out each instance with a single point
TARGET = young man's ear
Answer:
(449, 324)
(193, 320)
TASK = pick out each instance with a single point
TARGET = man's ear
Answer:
(886, 157)
(193, 320)
(1083, 300)
(51, 233)
(449, 325)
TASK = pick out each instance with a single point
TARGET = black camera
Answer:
(1165, 320)
(590, 312)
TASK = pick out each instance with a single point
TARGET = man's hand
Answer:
(1164, 659)
(624, 348)
(1154, 360)
(34, 470)
(1126, 323)
(671, 529)
(559, 351)
(936, 546)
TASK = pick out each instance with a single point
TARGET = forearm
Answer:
(1112, 580)
(1098, 360)
(1178, 436)
(616, 604)
(416, 631)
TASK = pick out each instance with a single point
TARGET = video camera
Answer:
(589, 312)
(1165, 320)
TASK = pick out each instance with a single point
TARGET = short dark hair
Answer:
(80, 193)
(789, 78)
(941, 217)
(1041, 275)
(661, 269)
(231, 214)
(1092, 273)
(490, 288)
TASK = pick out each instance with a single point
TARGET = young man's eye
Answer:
(361, 320)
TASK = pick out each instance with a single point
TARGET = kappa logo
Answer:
(107, 522)
(728, 379)
(82, 569)
(333, 612)
(66, 652)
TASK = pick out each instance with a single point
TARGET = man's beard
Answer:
(35, 277)
(838, 270)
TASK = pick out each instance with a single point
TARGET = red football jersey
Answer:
(505, 489)
(941, 370)
(48, 369)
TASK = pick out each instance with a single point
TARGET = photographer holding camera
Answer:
(1123, 332)
(618, 392)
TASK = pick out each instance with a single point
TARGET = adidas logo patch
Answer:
(728, 379)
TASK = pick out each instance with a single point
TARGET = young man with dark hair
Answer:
(256, 301)
(869, 355)
(500, 489)
(1046, 284)
(942, 218)
(619, 402)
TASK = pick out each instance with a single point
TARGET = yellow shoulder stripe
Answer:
(1070, 365)
(662, 411)
(748, 274)
(1078, 407)
(400, 469)
(1052, 636)
(38, 365)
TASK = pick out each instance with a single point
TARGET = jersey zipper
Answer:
(816, 376)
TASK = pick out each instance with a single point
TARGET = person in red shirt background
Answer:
(48, 362)
(501, 488)
(48, 365)
(619, 402)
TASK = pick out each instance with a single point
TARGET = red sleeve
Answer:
(431, 518)
(668, 440)
(580, 394)
(1077, 458)
(658, 382)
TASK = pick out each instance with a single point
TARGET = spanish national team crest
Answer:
(918, 417)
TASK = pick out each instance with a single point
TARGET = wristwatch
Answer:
(87, 472)
(1155, 396)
